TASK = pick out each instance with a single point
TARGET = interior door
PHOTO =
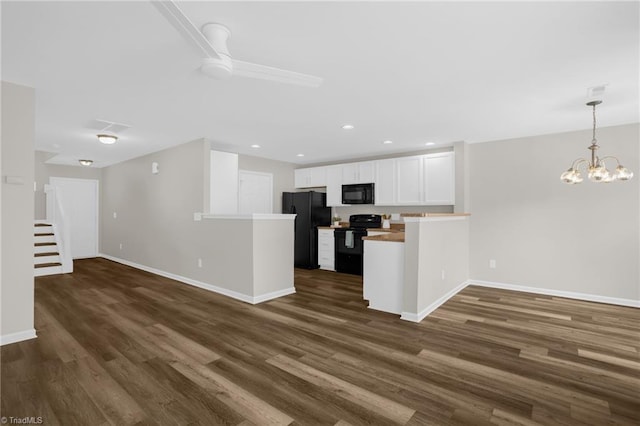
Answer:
(255, 192)
(79, 200)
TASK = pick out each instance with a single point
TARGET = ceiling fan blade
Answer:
(179, 20)
(248, 69)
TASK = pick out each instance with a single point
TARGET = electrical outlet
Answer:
(443, 275)
(492, 263)
(115, 215)
(199, 263)
(120, 246)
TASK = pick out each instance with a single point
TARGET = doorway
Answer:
(255, 192)
(79, 201)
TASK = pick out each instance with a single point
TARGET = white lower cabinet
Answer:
(326, 249)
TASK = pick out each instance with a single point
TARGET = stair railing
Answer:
(61, 229)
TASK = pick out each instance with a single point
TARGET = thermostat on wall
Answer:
(154, 168)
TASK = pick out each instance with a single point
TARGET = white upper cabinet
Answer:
(334, 186)
(310, 178)
(403, 181)
(385, 187)
(409, 180)
(363, 172)
(439, 179)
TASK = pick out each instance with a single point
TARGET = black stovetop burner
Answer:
(360, 221)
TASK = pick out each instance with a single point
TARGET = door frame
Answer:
(96, 183)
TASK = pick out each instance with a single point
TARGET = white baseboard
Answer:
(417, 317)
(549, 292)
(220, 290)
(273, 295)
(7, 339)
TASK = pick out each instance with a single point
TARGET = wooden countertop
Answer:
(433, 214)
(394, 237)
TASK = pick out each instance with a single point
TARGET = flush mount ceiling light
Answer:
(596, 168)
(347, 126)
(387, 142)
(430, 143)
(86, 162)
(255, 146)
(107, 139)
(300, 155)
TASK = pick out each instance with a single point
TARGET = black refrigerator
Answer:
(312, 211)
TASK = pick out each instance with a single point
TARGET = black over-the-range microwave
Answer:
(359, 193)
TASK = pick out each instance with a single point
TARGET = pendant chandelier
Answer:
(596, 168)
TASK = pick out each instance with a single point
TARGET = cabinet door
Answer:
(366, 172)
(326, 249)
(318, 176)
(409, 181)
(302, 178)
(439, 179)
(385, 182)
(349, 173)
(334, 186)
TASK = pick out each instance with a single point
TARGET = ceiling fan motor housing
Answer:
(220, 68)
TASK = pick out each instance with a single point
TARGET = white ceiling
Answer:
(411, 72)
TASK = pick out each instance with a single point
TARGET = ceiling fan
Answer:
(217, 63)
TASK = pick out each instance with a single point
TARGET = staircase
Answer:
(47, 259)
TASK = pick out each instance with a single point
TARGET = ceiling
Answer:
(410, 72)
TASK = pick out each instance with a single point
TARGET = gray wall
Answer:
(18, 130)
(433, 246)
(543, 233)
(44, 171)
(155, 223)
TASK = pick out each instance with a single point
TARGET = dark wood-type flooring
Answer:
(120, 346)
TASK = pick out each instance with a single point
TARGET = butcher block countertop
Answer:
(433, 214)
(394, 237)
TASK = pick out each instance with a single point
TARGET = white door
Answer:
(79, 201)
(255, 194)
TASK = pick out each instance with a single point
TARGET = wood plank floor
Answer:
(120, 346)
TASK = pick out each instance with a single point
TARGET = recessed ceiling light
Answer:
(430, 143)
(86, 162)
(107, 139)
(387, 142)
(300, 155)
(347, 126)
(255, 146)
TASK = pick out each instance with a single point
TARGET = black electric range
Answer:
(348, 242)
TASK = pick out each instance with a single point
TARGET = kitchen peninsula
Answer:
(411, 273)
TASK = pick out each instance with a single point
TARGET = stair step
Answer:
(41, 224)
(43, 234)
(50, 270)
(48, 243)
(44, 239)
(46, 253)
(46, 265)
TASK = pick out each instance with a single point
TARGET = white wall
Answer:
(543, 233)
(16, 288)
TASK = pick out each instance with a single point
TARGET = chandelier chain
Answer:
(593, 138)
